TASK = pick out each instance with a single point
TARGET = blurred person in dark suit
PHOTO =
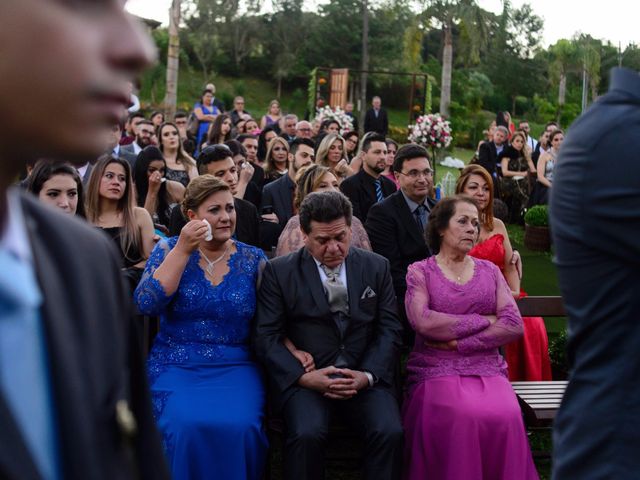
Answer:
(595, 222)
(74, 400)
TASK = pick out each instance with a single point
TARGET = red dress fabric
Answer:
(528, 357)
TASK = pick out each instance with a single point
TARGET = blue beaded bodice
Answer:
(200, 322)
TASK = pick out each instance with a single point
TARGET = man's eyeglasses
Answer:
(428, 173)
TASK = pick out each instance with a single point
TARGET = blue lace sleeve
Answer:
(150, 297)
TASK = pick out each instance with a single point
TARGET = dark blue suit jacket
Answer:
(595, 220)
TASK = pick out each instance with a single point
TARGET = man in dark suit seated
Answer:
(396, 226)
(595, 222)
(278, 195)
(74, 400)
(376, 119)
(369, 186)
(217, 160)
(488, 155)
(336, 304)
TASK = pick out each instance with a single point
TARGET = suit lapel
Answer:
(407, 218)
(354, 280)
(311, 278)
(15, 460)
(65, 359)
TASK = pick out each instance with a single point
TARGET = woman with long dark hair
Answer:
(516, 164)
(153, 191)
(266, 135)
(220, 130)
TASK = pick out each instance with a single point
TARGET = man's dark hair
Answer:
(408, 152)
(324, 207)
(137, 114)
(236, 148)
(293, 148)
(213, 153)
(180, 114)
(147, 122)
(245, 136)
(523, 121)
(368, 139)
(439, 219)
(551, 124)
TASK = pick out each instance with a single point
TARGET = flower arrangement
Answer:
(431, 131)
(326, 113)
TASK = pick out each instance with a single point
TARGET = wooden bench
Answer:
(540, 401)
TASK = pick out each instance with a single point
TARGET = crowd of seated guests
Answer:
(521, 167)
(195, 203)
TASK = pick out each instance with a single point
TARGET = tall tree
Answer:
(365, 60)
(447, 14)
(173, 60)
(564, 59)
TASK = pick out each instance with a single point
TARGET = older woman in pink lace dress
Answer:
(461, 416)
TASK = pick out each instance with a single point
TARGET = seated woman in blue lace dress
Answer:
(208, 393)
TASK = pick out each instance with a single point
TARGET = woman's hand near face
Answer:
(155, 180)
(246, 172)
(343, 168)
(190, 236)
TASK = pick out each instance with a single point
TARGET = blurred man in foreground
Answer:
(74, 401)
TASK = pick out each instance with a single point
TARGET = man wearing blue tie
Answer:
(74, 402)
(369, 186)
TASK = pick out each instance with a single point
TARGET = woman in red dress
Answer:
(528, 358)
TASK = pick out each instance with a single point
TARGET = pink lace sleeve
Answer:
(290, 239)
(508, 326)
(360, 237)
(434, 325)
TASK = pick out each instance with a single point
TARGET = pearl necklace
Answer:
(210, 268)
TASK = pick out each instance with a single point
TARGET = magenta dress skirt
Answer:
(465, 427)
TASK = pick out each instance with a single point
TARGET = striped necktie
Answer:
(379, 195)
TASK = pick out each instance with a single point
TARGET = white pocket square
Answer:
(368, 293)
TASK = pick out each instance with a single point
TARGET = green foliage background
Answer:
(498, 60)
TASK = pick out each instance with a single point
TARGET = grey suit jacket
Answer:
(94, 359)
(128, 153)
(595, 221)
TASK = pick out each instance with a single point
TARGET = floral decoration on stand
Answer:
(337, 114)
(431, 131)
